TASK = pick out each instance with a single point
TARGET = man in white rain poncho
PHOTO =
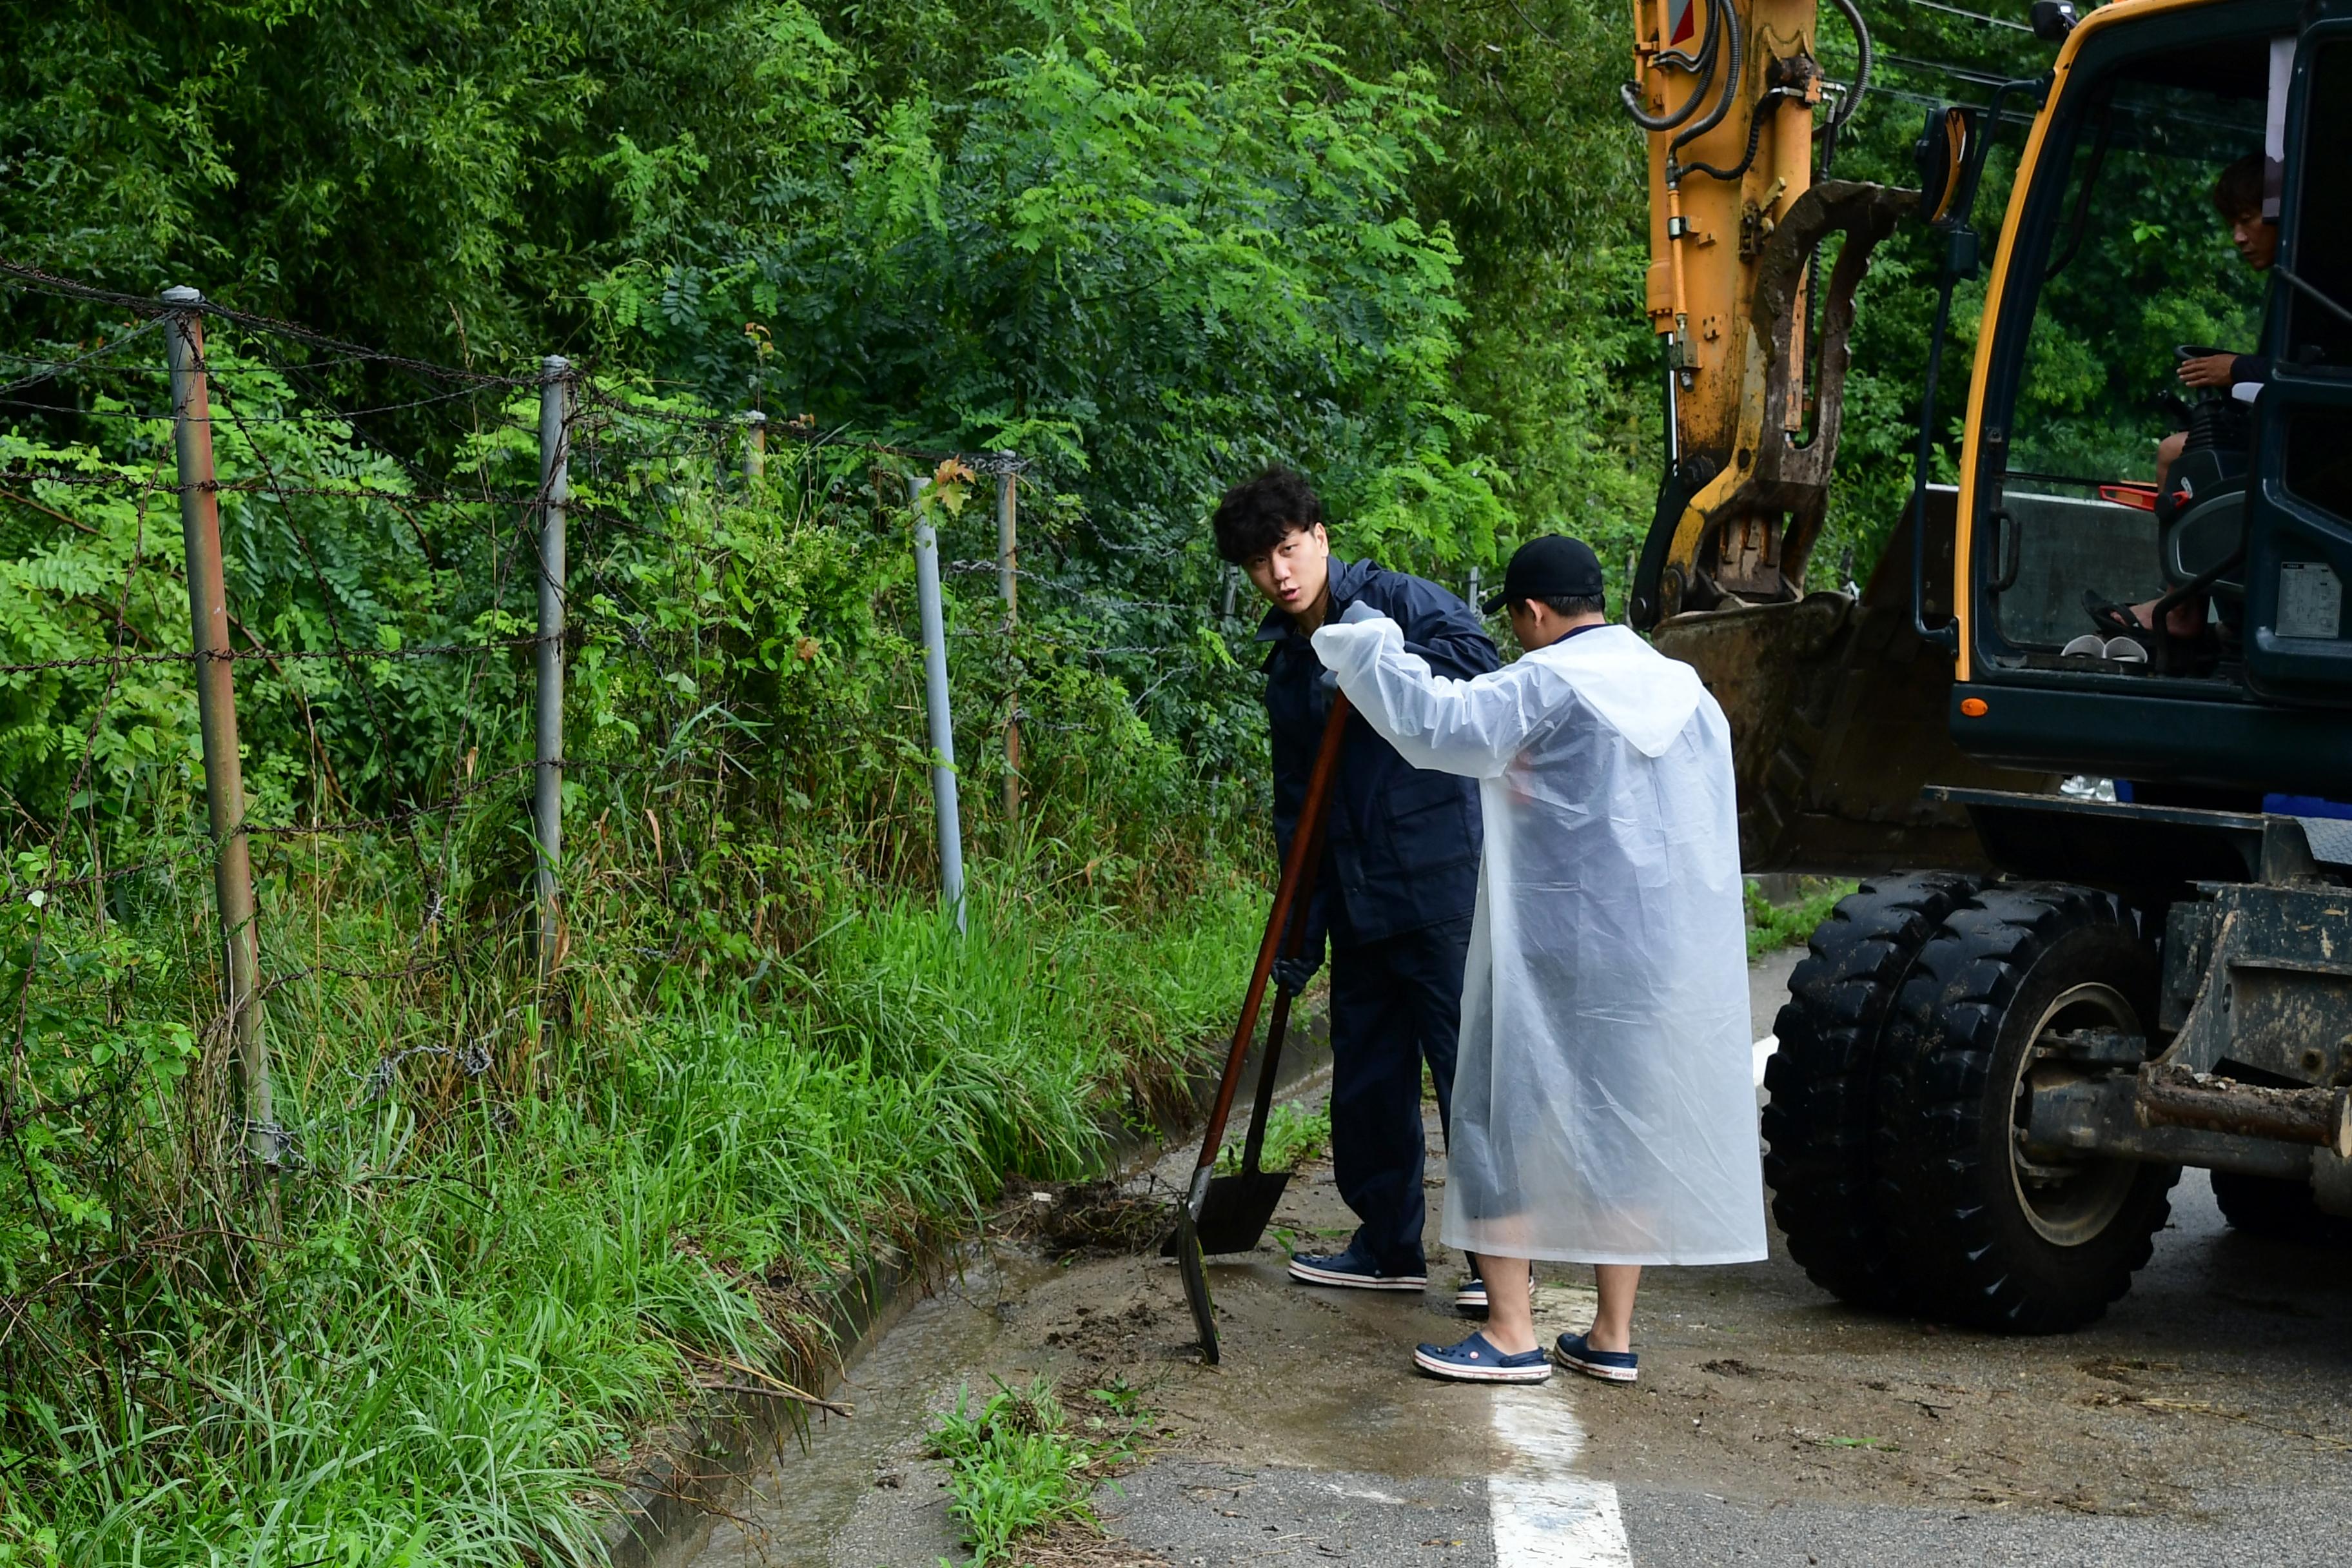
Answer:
(1603, 1098)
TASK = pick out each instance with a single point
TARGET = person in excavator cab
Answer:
(2238, 197)
(1398, 879)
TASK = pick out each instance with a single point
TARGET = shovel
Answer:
(1229, 1214)
(1233, 1217)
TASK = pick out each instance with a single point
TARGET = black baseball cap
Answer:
(1550, 566)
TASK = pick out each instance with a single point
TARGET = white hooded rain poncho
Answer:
(1604, 1104)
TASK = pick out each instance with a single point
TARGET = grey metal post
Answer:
(1008, 588)
(1473, 588)
(755, 445)
(192, 442)
(935, 702)
(1233, 576)
(555, 490)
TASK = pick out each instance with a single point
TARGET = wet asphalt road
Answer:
(2208, 1419)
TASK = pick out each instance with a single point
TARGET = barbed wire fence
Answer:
(333, 798)
(144, 685)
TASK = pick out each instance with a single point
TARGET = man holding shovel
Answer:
(1605, 1108)
(1397, 877)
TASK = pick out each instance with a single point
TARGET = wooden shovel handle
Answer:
(1294, 942)
(1305, 839)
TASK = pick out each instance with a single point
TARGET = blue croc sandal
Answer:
(1354, 1270)
(1475, 1360)
(1609, 1366)
(1470, 1298)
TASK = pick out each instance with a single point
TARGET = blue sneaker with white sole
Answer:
(1475, 1360)
(1354, 1270)
(1470, 1298)
(1609, 1366)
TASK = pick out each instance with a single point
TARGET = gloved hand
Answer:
(1293, 973)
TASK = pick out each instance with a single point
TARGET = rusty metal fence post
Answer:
(192, 443)
(935, 702)
(547, 797)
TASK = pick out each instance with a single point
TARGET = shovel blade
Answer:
(1235, 1215)
(1185, 1244)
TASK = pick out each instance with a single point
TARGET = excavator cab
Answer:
(1990, 1072)
(1992, 648)
(2076, 520)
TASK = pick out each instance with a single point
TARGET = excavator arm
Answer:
(1731, 97)
(1836, 707)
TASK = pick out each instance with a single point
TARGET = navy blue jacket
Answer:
(1400, 846)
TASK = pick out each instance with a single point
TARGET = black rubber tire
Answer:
(1822, 1075)
(1958, 1222)
(2280, 1210)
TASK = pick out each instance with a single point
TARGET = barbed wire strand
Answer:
(143, 306)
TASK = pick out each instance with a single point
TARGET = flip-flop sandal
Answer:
(2113, 620)
(2195, 655)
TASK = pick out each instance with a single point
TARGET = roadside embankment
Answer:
(691, 1473)
(475, 1311)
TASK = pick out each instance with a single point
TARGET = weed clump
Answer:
(1294, 1135)
(1772, 926)
(1021, 1477)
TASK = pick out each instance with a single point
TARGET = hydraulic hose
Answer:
(1629, 94)
(1755, 134)
(1728, 20)
(1702, 66)
(1853, 14)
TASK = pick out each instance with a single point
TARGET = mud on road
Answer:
(2209, 1417)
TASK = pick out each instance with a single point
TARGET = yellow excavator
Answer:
(2085, 733)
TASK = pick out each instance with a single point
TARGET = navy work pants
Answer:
(1395, 1003)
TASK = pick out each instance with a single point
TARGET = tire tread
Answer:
(1820, 1077)
(1940, 1199)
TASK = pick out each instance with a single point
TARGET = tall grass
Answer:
(471, 1304)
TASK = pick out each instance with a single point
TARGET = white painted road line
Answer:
(1764, 1049)
(1544, 1515)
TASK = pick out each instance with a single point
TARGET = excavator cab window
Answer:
(2187, 197)
(2131, 273)
(2299, 534)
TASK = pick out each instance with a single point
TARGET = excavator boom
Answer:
(1836, 716)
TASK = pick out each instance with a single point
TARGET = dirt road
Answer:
(2208, 1419)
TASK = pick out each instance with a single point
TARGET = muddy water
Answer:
(1313, 1382)
(801, 1507)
